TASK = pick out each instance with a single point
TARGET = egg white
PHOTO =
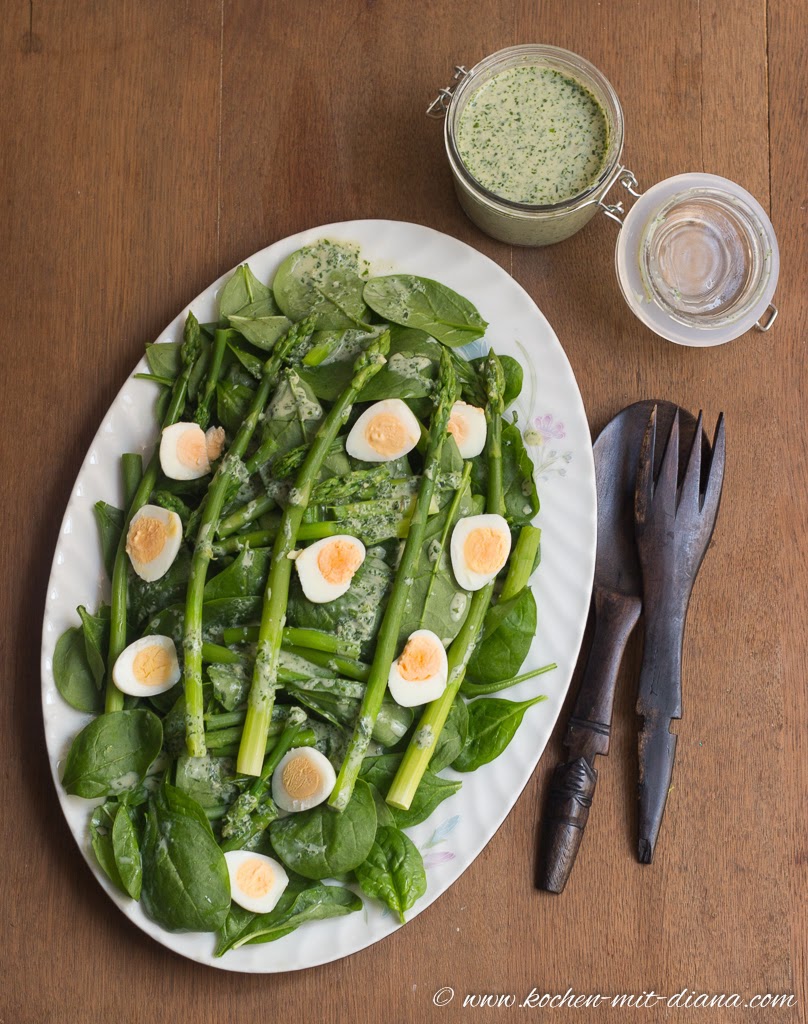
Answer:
(476, 430)
(411, 693)
(158, 566)
(321, 765)
(243, 860)
(127, 680)
(171, 463)
(357, 444)
(315, 586)
(466, 577)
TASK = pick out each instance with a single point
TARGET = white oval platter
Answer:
(554, 423)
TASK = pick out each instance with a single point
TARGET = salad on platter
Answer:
(318, 582)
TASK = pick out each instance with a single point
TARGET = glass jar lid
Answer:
(697, 259)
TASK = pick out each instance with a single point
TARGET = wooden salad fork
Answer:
(673, 527)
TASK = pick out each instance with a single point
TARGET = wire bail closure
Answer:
(616, 211)
(438, 108)
(767, 319)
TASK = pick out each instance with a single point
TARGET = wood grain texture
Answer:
(147, 147)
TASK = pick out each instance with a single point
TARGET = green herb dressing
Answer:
(533, 135)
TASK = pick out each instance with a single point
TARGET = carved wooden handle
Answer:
(587, 735)
(568, 803)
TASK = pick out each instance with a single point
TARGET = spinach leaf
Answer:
(112, 753)
(452, 737)
(126, 850)
(330, 740)
(384, 815)
(210, 781)
(260, 308)
(427, 305)
(232, 372)
(240, 923)
(176, 801)
(232, 404)
(292, 418)
(96, 640)
(299, 903)
(216, 616)
(261, 323)
(393, 871)
(411, 368)
(435, 600)
(432, 791)
(72, 674)
(355, 616)
(110, 523)
(507, 634)
(410, 371)
(513, 373)
(337, 347)
(231, 684)
(242, 290)
(321, 844)
(245, 576)
(338, 701)
(251, 363)
(186, 886)
(322, 280)
(492, 725)
(164, 358)
(314, 904)
(519, 486)
(101, 824)
(261, 331)
(148, 599)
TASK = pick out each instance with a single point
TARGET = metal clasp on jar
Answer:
(616, 211)
(439, 106)
(768, 318)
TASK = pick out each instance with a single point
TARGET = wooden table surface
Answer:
(147, 147)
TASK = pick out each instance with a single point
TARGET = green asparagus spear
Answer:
(229, 471)
(282, 468)
(220, 338)
(311, 639)
(276, 595)
(189, 352)
(422, 745)
(391, 623)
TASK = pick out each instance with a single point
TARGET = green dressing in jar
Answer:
(533, 135)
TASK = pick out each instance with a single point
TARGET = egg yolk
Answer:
(386, 434)
(214, 442)
(338, 561)
(419, 660)
(458, 425)
(255, 877)
(485, 550)
(192, 448)
(146, 539)
(300, 778)
(152, 665)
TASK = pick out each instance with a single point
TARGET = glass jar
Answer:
(697, 260)
(696, 256)
(522, 223)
